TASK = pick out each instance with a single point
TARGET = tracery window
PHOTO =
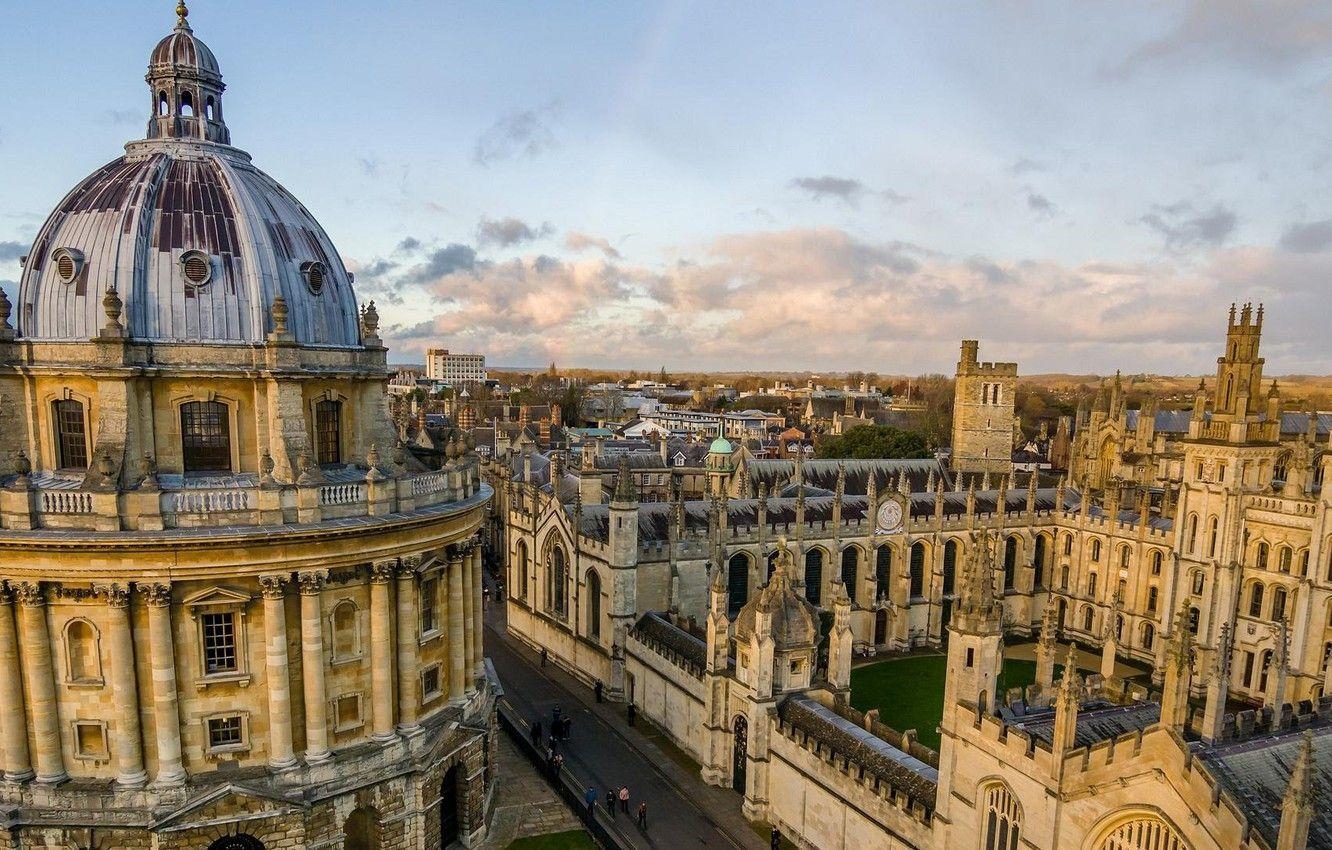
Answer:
(558, 582)
(950, 567)
(593, 604)
(205, 436)
(1003, 819)
(814, 576)
(1144, 833)
(917, 569)
(883, 565)
(851, 570)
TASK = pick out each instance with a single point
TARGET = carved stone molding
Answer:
(312, 581)
(29, 593)
(117, 595)
(274, 586)
(408, 566)
(158, 595)
(382, 571)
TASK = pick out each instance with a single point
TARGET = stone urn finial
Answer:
(148, 471)
(400, 454)
(112, 306)
(106, 466)
(370, 319)
(22, 468)
(266, 466)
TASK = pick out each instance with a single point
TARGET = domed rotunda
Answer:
(236, 612)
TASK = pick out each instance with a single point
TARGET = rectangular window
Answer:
(328, 431)
(429, 591)
(90, 739)
(219, 637)
(71, 438)
(225, 732)
(205, 436)
(430, 683)
(347, 711)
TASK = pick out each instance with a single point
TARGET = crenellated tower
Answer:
(983, 413)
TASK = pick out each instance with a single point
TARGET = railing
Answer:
(341, 494)
(431, 482)
(208, 501)
(67, 502)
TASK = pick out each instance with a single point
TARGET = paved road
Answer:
(604, 751)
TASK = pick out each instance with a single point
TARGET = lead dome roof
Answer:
(181, 195)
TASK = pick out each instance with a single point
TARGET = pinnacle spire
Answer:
(182, 13)
(624, 482)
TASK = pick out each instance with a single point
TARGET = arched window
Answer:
(1285, 558)
(883, 569)
(1194, 616)
(1119, 627)
(1087, 615)
(1262, 556)
(814, 576)
(1124, 554)
(163, 104)
(1198, 580)
(1193, 533)
(239, 841)
(186, 105)
(737, 583)
(1148, 635)
(1063, 578)
(593, 587)
(361, 831)
(71, 434)
(851, 570)
(1091, 585)
(558, 589)
(84, 660)
(1068, 544)
(1278, 603)
(1062, 613)
(346, 631)
(205, 436)
(950, 566)
(1264, 663)
(1256, 599)
(1212, 526)
(328, 431)
(1279, 471)
(1152, 596)
(1042, 553)
(917, 569)
(1003, 819)
(1157, 558)
(209, 109)
(522, 569)
(1010, 562)
(1304, 563)
(1095, 549)
(1143, 833)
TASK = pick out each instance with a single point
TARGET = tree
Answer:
(865, 442)
(663, 377)
(935, 421)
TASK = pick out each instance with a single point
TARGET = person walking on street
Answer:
(610, 802)
(567, 727)
(591, 799)
(544, 653)
(624, 799)
(642, 816)
(555, 719)
(631, 711)
(555, 764)
(536, 732)
(597, 690)
(776, 842)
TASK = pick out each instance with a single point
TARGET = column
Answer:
(166, 711)
(381, 651)
(281, 753)
(456, 646)
(13, 719)
(128, 739)
(469, 615)
(409, 646)
(35, 644)
(312, 667)
(478, 616)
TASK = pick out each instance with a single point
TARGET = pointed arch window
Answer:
(814, 576)
(557, 590)
(950, 567)
(593, 585)
(71, 434)
(737, 583)
(1262, 556)
(1010, 562)
(1212, 528)
(1144, 833)
(883, 568)
(1278, 603)
(917, 569)
(1003, 819)
(522, 569)
(851, 570)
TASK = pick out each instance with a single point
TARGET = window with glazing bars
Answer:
(225, 731)
(328, 431)
(219, 637)
(429, 588)
(205, 436)
(71, 438)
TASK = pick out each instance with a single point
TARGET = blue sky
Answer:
(1082, 186)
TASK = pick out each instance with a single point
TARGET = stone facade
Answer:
(983, 417)
(226, 619)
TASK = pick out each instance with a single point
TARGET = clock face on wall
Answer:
(890, 516)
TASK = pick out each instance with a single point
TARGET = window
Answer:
(346, 631)
(558, 590)
(1278, 603)
(1248, 669)
(1010, 562)
(917, 569)
(1152, 595)
(851, 570)
(226, 732)
(219, 642)
(1256, 600)
(950, 567)
(1304, 563)
(328, 431)
(814, 576)
(90, 740)
(429, 595)
(593, 585)
(1091, 585)
(522, 569)
(1156, 562)
(83, 660)
(1124, 553)
(430, 687)
(1042, 553)
(347, 712)
(1264, 664)
(1198, 579)
(1194, 615)
(71, 435)
(1262, 556)
(1284, 559)
(1087, 615)
(1096, 550)
(205, 436)
(1193, 533)
(1142, 833)
(186, 105)
(1148, 635)
(1068, 544)
(737, 583)
(883, 566)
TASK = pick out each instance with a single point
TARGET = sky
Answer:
(1083, 187)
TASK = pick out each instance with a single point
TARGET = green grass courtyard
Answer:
(575, 839)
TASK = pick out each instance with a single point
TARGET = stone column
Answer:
(478, 616)
(409, 645)
(381, 651)
(456, 646)
(13, 719)
(469, 615)
(35, 646)
(281, 753)
(124, 688)
(312, 667)
(166, 711)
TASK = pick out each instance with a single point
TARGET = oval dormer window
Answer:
(197, 267)
(68, 263)
(314, 273)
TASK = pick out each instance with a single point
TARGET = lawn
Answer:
(909, 691)
(575, 839)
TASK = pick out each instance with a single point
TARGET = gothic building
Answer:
(1217, 577)
(235, 613)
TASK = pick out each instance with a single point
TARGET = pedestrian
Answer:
(624, 799)
(567, 727)
(610, 801)
(557, 763)
(776, 842)
(590, 797)
(536, 732)
(550, 761)
(597, 690)
(555, 719)
(544, 653)
(642, 816)
(631, 711)
(553, 743)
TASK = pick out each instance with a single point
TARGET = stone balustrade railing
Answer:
(31, 506)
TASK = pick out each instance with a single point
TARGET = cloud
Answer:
(1308, 238)
(517, 135)
(844, 189)
(408, 245)
(1040, 204)
(1024, 166)
(507, 232)
(1257, 35)
(369, 165)
(578, 242)
(1187, 228)
(442, 263)
(11, 251)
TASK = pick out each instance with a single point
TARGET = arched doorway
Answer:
(739, 754)
(361, 831)
(448, 808)
(240, 841)
(881, 627)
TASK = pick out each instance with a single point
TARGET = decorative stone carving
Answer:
(29, 593)
(148, 469)
(274, 586)
(408, 565)
(117, 595)
(311, 581)
(157, 595)
(382, 571)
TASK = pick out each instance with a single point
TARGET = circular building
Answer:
(236, 611)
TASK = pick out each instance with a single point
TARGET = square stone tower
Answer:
(983, 413)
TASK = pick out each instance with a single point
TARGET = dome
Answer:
(721, 445)
(195, 240)
(795, 622)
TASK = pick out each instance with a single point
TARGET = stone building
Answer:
(983, 415)
(1220, 582)
(236, 613)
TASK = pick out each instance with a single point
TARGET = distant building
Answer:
(983, 413)
(442, 365)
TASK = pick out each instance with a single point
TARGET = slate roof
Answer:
(1177, 422)
(656, 629)
(1256, 773)
(1097, 721)
(823, 474)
